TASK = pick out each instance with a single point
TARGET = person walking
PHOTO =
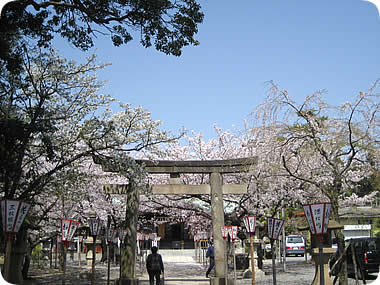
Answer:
(211, 254)
(154, 266)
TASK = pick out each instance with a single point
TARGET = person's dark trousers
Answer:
(212, 264)
(154, 275)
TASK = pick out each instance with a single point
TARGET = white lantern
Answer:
(274, 228)
(318, 215)
(250, 223)
(13, 213)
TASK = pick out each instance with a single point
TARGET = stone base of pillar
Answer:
(247, 274)
(221, 281)
(326, 253)
(127, 281)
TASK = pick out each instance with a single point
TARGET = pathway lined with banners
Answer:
(181, 268)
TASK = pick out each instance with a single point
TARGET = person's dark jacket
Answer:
(210, 251)
(149, 261)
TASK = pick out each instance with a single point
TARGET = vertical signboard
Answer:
(234, 230)
(13, 213)
(73, 228)
(65, 226)
(326, 217)
(318, 216)
(250, 223)
(309, 218)
(22, 212)
(224, 232)
(68, 228)
(274, 228)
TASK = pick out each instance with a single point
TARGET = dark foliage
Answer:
(169, 25)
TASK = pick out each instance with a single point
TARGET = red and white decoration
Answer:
(233, 232)
(275, 228)
(139, 236)
(224, 230)
(13, 213)
(250, 223)
(68, 228)
(229, 231)
(318, 216)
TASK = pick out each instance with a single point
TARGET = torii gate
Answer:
(215, 168)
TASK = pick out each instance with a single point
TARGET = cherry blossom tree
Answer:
(268, 188)
(53, 118)
(324, 148)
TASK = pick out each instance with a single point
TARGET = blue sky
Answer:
(303, 46)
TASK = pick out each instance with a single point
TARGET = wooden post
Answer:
(93, 260)
(252, 260)
(78, 251)
(273, 261)
(56, 252)
(226, 265)
(121, 252)
(109, 263)
(283, 240)
(51, 253)
(234, 254)
(64, 262)
(322, 268)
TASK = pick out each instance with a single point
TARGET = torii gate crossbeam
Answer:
(215, 168)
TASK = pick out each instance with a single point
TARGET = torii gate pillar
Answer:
(217, 214)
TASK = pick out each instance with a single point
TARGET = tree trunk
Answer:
(128, 258)
(19, 247)
(61, 257)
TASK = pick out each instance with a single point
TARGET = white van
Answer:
(295, 245)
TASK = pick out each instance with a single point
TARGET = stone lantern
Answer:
(90, 242)
(327, 250)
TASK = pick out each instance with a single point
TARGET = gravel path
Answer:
(181, 271)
